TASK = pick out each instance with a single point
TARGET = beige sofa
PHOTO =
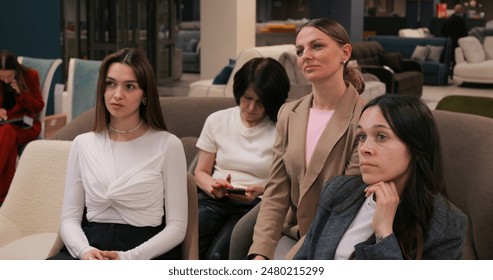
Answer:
(474, 61)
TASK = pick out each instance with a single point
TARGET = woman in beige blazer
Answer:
(298, 174)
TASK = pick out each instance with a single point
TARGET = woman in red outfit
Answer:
(20, 95)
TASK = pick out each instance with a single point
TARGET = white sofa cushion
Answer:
(412, 33)
(435, 53)
(420, 53)
(488, 46)
(472, 48)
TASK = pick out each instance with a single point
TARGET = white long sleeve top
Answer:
(133, 182)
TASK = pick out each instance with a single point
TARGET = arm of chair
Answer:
(412, 65)
(384, 74)
(61, 99)
(190, 246)
(39, 246)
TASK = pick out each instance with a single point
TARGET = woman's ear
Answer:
(346, 52)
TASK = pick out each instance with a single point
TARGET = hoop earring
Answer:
(144, 101)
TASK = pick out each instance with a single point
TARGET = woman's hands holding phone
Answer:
(387, 199)
(251, 193)
(221, 186)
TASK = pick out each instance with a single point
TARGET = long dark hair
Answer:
(151, 112)
(411, 120)
(337, 32)
(8, 61)
(269, 80)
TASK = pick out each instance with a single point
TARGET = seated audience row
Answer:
(126, 194)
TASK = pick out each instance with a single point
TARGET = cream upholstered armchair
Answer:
(205, 88)
(30, 214)
(474, 60)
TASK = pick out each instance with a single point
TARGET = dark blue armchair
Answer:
(434, 72)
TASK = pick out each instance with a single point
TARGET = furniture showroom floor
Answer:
(431, 94)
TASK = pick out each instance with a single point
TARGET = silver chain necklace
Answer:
(126, 131)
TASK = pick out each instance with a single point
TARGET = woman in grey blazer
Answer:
(397, 209)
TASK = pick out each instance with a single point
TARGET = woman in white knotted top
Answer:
(126, 194)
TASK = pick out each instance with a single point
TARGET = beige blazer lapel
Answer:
(297, 126)
(335, 129)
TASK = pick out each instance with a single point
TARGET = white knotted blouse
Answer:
(133, 182)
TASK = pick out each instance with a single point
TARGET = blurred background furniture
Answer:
(436, 67)
(481, 32)
(80, 94)
(46, 69)
(406, 80)
(207, 88)
(285, 54)
(422, 32)
(30, 214)
(467, 163)
(476, 105)
(474, 61)
(188, 40)
(277, 32)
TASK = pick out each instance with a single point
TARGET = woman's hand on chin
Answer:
(387, 199)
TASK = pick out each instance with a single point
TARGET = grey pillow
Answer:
(192, 45)
(435, 53)
(420, 53)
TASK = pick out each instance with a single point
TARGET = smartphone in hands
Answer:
(236, 191)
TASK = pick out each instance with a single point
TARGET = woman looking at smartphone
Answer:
(236, 151)
(20, 95)
(397, 209)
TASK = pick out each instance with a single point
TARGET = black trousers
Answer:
(217, 219)
(119, 237)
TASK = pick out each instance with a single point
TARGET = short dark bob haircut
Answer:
(269, 80)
